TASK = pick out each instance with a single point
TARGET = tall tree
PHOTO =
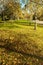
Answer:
(12, 10)
(33, 6)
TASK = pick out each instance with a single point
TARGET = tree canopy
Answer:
(15, 7)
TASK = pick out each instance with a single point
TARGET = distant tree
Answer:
(33, 6)
(40, 13)
(12, 10)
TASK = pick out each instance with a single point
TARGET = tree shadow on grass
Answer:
(25, 23)
(29, 24)
(9, 26)
(8, 50)
(13, 26)
(22, 23)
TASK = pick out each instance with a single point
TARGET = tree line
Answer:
(11, 9)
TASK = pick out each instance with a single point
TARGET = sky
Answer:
(23, 2)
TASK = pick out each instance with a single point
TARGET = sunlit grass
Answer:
(18, 27)
(25, 39)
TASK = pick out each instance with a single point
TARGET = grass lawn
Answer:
(26, 39)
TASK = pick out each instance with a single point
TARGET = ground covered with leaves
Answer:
(20, 44)
(8, 57)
